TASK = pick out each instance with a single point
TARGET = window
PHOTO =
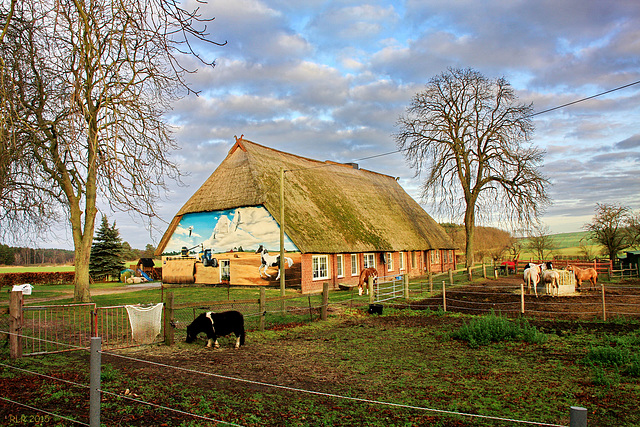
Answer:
(339, 266)
(433, 257)
(369, 261)
(414, 261)
(401, 261)
(389, 261)
(320, 267)
(225, 270)
(354, 264)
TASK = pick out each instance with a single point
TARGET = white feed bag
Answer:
(146, 322)
(25, 289)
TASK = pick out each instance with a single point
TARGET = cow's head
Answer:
(191, 334)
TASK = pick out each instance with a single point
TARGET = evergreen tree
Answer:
(106, 252)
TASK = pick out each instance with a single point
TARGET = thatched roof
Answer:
(329, 207)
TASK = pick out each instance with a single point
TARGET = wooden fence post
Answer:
(15, 324)
(430, 282)
(604, 309)
(451, 277)
(325, 301)
(405, 280)
(444, 296)
(470, 273)
(484, 270)
(521, 298)
(263, 307)
(168, 319)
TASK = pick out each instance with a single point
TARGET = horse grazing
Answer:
(364, 278)
(581, 274)
(551, 279)
(532, 276)
(270, 261)
(217, 325)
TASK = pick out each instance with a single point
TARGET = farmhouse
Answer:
(338, 220)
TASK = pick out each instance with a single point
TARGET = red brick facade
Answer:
(339, 269)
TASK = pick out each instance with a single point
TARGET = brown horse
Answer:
(364, 278)
(581, 274)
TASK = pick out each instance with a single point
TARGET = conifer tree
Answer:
(106, 252)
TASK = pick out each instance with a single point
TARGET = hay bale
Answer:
(207, 275)
(567, 282)
(179, 270)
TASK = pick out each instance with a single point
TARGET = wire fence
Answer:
(105, 395)
(448, 291)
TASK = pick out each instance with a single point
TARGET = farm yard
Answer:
(401, 368)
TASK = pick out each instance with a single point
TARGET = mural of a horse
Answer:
(270, 261)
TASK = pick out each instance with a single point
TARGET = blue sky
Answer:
(328, 80)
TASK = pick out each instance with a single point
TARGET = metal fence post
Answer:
(15, 324)
(94, 381)
(578, 417)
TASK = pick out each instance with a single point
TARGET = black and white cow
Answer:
(217, 325)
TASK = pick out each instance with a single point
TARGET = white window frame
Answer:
(316, 267)
(223, 267)
(369, 257)
(339, 265)
(402, 261)
(354, 264)
(389, 256)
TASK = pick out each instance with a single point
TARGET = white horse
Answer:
(532, 277)
(545, 274)
(551, 279)
(270, 261)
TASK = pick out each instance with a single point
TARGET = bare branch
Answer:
(472, 140)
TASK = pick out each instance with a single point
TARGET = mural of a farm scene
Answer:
(239, 246)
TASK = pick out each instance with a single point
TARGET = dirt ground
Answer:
(276, 365)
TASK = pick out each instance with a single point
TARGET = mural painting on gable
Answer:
(244, 241)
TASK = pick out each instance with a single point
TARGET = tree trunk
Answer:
(470, 228)
(81, 279)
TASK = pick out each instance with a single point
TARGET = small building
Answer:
(338, 220)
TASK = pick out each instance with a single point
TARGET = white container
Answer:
(26, 288)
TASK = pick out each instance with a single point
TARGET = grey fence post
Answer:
(578, 417)
(94, 381)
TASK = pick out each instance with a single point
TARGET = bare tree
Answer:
(469, 136)
(540, 242)
(90, 83)
(610, 228)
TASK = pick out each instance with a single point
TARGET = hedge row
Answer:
(39, 278)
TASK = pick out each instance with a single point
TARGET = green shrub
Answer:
(495, 328)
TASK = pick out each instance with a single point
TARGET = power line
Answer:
(584, 99)
(532, 115)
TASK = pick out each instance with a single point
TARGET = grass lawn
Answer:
(408, 359)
